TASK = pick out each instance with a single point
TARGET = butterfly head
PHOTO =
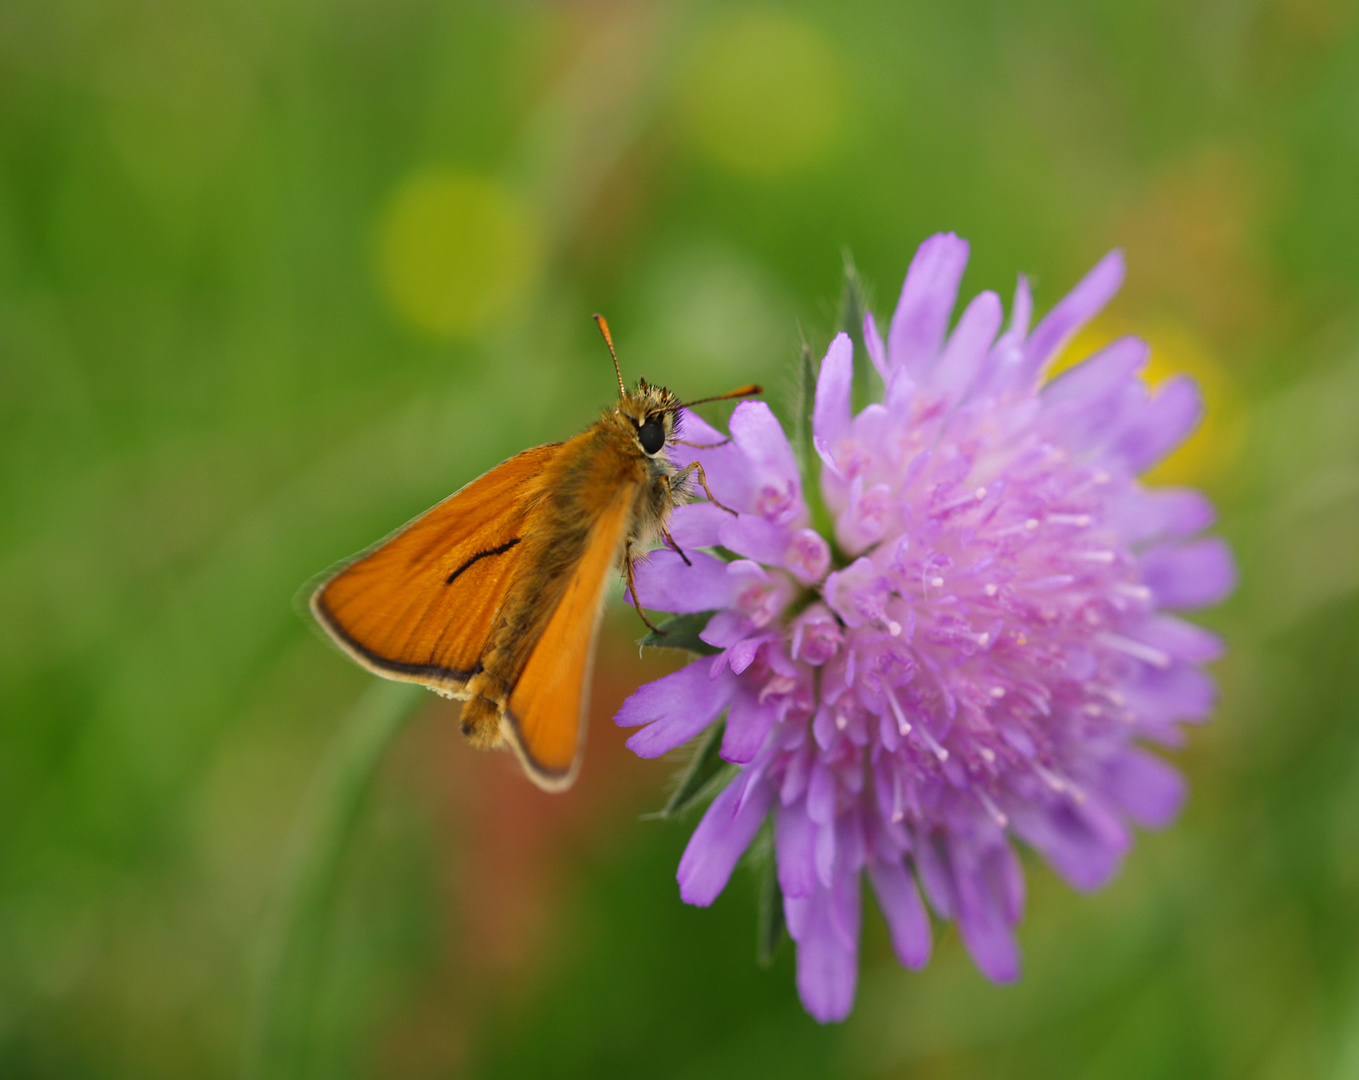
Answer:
(652, 413)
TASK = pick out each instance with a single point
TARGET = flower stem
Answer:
(291, 946)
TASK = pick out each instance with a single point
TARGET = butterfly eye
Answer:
(651, 435)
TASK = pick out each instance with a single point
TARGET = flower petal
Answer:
(720, 839)
(827, 970)
(759, 435)
(927, 299)
(795, 848)
(1193, 575)
(1074, 310)
(754, 537)
(1161, 424)
(907, 922)
(748, 724)
(697, 525)
(1100, 375)
(1145, 788)
(1159, 697)
(675, 708)
(666, 583)
(1182, 640)
(834, 383)
(1082, 840)
(990, 889)
(968, 346)
(1162, 514)
(723, 462)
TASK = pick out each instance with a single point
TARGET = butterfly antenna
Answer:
(744, 391)
(608, 340)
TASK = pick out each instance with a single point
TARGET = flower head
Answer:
(980, 658)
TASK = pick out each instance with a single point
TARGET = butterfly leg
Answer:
(694, 466)
(665, 535)
(632, 589)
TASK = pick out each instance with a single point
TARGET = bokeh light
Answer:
(765, 94)
(455, 252)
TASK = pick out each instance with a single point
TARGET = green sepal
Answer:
(697, 779)
(769, 924)
(770, 928)
(854, 303)
(681, 632)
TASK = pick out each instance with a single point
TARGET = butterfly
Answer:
(494, 596)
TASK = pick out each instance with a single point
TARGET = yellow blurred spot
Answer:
(455, 252)
(765, 94)
(1214, 446)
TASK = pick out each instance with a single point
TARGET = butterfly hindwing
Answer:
(547, 707)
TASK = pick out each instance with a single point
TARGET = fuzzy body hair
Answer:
(576, 488)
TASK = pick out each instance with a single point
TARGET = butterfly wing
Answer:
(547, 707)
(420, 606)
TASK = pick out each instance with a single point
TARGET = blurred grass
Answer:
(230, 354)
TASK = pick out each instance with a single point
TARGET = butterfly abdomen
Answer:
(576, 488)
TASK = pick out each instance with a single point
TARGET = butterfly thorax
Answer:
(617, 470)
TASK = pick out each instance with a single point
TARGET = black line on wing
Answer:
(481, 555)
(379, 662)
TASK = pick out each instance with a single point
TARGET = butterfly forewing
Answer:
(421, 605)
(547, 706)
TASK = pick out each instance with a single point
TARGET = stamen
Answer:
(997, 815)
(1080, 521)
(1060, 784)
(1137, 592)
(1138, 650)
(1056, 581)
(1024, 526)
(933, 743)
(1113, 697)
(1095, 556)
(967, 500)
(903, 725)
(1050, 778)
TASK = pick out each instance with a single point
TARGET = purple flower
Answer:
(982, 656)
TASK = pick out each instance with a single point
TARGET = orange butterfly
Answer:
(494, 596)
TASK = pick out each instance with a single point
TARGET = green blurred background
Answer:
(275, 275)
